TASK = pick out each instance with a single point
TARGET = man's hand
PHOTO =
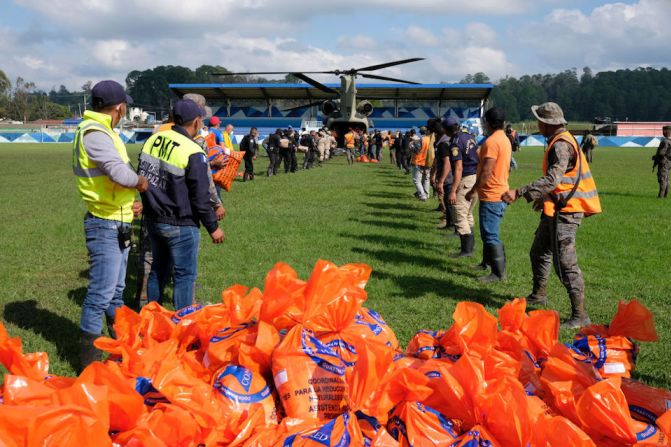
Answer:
(220, 212)
(510, 196)
(452, 199)
(218, 236)
(439, 188)
(469, 195)
(137, 208)
(254, 157)
(142, 184)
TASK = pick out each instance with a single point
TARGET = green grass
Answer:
(365, 213)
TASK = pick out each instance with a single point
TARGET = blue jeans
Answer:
(173, 247)
(491, 214)
(107, 272)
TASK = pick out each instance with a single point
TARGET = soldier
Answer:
(250, 146)
(274, 141)
(588, 145)
(662, 161)
(566, 194)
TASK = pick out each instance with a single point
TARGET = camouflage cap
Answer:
(549, 113)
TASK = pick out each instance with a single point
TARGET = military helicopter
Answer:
(343, 112)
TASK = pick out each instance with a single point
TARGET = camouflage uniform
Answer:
(663, 159)
(550, 242)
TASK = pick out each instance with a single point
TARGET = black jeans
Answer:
(272, 160)
(249, 167)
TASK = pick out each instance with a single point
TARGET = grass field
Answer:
(364, 213)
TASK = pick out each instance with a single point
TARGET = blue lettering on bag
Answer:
(184, 312)
(321, 350)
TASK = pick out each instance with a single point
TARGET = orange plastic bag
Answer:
(410, 422)
(612, 356)
(474, 329)
(126, 405)
(504, 409)
(224, 177)
(477, 436)
(167, 425)
(375, 328)
(603, 412)
(415, 424)
(245, 392)
(541, 328)
(342, 431)
(35, 366)
(364, 379)
(333, 296)
(283, 298)
(309, 376)
(633, 320)
(513, 315)
(426, 345)
(557, 430)
(645, 402)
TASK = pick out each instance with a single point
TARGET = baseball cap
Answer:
(549, 113)
(214, 121)
(186, 110)
(109, 93)
(450, 122)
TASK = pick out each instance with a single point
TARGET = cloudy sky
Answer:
(53, 42)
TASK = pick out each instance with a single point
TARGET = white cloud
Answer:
(421, 36)
(357, 42)
(613, 35)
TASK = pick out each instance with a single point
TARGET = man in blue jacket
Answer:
(177, 203)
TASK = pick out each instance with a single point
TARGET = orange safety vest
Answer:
(586, 197)
(349, 140)
(419, 159)
(211, 140)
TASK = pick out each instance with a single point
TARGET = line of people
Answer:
(466, 173)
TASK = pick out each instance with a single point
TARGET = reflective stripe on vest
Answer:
(104, 198)
(168, 152)
(586, 197)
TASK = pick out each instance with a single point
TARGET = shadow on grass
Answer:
(400, 257)
(77, 295)
(388, 224)
(59, 330)
(415, 286)
(387, 206)
(388, 195)
(384, 239)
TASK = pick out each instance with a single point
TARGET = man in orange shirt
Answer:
(420, 170)
(491, 184)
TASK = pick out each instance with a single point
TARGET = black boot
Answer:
(579, 318)
(88, 352)
(484, 264)
(110, 326)
(467, 246)
(497, 256)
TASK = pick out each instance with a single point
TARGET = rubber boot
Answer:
(467, 246)
(484, 265)
(244, 177)
(579, 316)
(538, 297)
(497, 256)
(110, 326)
(88, 352)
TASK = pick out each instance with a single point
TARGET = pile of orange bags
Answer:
(303, 363)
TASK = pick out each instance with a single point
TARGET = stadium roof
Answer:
(307, 92)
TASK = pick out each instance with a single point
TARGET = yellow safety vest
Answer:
(167, 151)
(227, 141)
(104, 198)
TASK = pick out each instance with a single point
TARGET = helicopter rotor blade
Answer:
(385, 78)
(255, 73)
(312, 104)
(390, 64)
(315, 83)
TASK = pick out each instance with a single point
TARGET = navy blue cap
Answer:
(186, 110)
(109, 93)
(450, 122)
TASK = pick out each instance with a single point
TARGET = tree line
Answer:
(642, 94)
